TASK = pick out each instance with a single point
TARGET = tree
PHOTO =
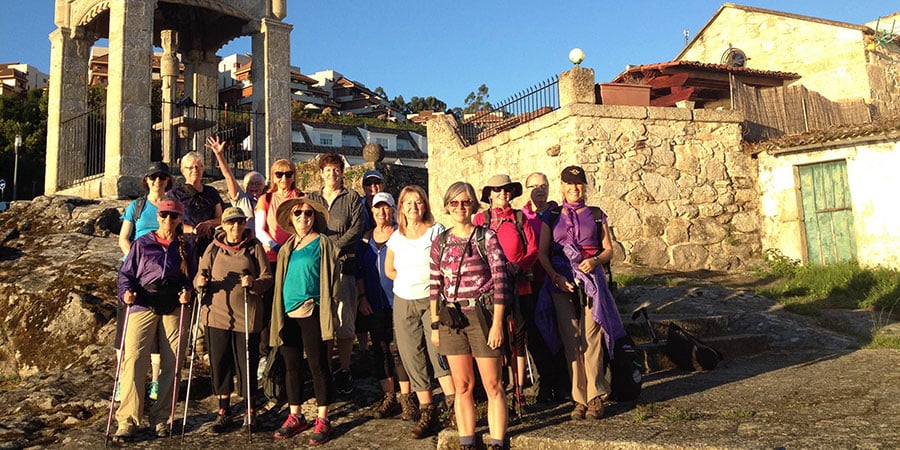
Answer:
(27, 116)
(477, 101)
(400, 104)
(419, 104)
(379, 91)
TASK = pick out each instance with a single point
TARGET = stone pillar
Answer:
(67, 97)
(204, 90)
(271, 93)
(168, 71)
(128, 96)
(576, 85)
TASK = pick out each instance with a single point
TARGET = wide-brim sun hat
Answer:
(284, 219)
(500, 180)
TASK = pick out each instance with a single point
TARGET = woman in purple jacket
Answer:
(154, 281)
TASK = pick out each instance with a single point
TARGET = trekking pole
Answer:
(514, 364)
(177, 377)
(112, 399)
(247, 417)
(195, 324)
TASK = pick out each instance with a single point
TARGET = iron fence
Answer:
(84, 155)
(529, 104)
(194, 123)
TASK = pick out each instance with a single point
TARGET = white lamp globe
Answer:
(576, 55)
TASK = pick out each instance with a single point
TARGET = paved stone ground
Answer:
(814, 389)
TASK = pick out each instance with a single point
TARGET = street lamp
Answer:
(18, 143)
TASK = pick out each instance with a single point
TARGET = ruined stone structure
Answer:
(190, 29)
(679, 191)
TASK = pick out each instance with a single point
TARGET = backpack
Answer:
(139, 205)
(688, 352)
(597, 213)
(479, 242)
(626, 370)
(519, 221)
(273, 379)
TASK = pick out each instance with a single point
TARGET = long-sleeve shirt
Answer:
(345, 224)
(522, 254)
(477, 276)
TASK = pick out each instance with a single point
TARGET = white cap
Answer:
(383, 197)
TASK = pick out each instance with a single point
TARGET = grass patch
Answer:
(884, 343)
(643, 412)
(673, 414)
(9, 381)
(809, 289)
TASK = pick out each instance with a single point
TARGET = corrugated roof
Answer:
(882, 128)
(696, 65)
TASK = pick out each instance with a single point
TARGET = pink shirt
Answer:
(524, 255)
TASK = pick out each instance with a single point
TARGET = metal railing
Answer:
(83, 156)
(533, 102)
(194, 123)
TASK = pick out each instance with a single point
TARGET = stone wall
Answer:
(679, 192)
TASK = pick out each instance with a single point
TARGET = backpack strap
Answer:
(519, 220)
(139, 205)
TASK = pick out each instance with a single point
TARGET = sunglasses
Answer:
(169, 215)
(506, 189)
(157, 176)
(288, 174)
(236, 221)
(303, 212)
(458, 203)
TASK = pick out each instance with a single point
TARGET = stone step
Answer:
(731, 347)
(699, 326)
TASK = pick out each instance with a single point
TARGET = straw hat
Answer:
(283, 214)
(500, 181)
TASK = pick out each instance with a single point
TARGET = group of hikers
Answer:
(295, 275)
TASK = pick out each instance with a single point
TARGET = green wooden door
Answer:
(827, 212)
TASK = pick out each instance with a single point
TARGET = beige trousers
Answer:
(145, 328)
(582, 340)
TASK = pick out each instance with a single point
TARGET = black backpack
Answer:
(273, 380)
(519, 221)
(626, 370)
(688, 352)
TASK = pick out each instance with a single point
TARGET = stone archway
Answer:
(193, 29)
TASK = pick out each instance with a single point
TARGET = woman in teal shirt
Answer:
(303, 316)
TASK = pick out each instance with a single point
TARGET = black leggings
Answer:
(301, 335)
(387, 358)
(227, 352)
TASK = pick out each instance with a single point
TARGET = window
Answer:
(326, 139)
(734, 57)
(383, 142)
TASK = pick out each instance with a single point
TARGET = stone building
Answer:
(189, 32)
(836, 59)
(683, 188)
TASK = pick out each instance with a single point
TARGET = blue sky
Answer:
(447, 49)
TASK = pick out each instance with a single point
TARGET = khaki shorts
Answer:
(347, 306)
(469, 340)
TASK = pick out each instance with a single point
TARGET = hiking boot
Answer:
(343, 382)
(125, 432)
(594, 409)
(428, 421)
(162, 430)
(408, 408)
(494, 447)
(449, 399)
(153, 390)
(223, 421)
(388, 407)
(295, 423)
(579, 411)
(322, 433)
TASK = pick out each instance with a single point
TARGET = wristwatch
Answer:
(435, 325)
